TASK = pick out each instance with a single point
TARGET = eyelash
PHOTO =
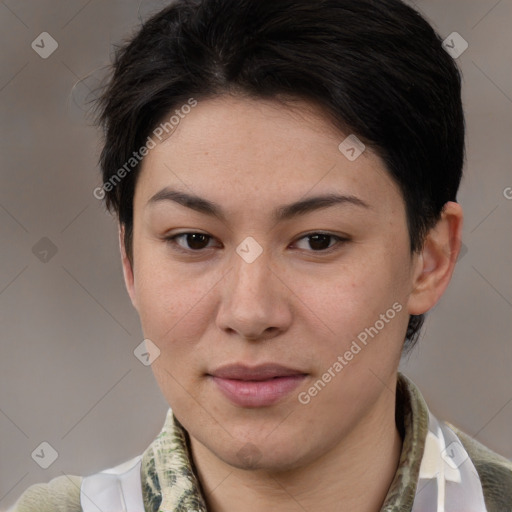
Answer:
(171, 240)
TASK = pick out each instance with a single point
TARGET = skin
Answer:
(295, 304)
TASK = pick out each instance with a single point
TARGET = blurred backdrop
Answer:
(68, 374)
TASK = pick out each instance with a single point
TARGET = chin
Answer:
(254, 455)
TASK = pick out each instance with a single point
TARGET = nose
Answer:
(255, 304)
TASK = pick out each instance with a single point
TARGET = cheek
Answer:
(363, 303)
(176, 306)
(178, 302)
(351, 296)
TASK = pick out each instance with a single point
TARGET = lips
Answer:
(257, 386)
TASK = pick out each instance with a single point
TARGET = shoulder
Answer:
(495, 473)
(62, 494)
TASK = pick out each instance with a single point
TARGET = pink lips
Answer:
(257, 386)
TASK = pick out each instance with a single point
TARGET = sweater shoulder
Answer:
(61, 494)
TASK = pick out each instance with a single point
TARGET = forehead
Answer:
(261, 152)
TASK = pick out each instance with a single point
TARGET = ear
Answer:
(127, 267)
(434, 266)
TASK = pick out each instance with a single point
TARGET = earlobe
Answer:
(127, 267)
(434, 266)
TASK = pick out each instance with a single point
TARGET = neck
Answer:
(354, 476)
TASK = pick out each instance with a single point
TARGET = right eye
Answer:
(189, 242)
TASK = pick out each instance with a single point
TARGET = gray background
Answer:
(67, 369)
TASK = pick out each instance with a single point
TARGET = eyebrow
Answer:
(280, 214)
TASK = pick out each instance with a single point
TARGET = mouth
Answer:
(257, 386)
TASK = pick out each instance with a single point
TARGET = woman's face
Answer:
(309, 303)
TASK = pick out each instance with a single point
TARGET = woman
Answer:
(285, 178)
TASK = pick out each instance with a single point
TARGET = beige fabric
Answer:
(62, 494)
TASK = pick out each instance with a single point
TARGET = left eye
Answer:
(321, 241)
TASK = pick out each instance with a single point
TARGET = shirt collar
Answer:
(170, 482)
(412, 416)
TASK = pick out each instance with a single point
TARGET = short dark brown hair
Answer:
(375, 67)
